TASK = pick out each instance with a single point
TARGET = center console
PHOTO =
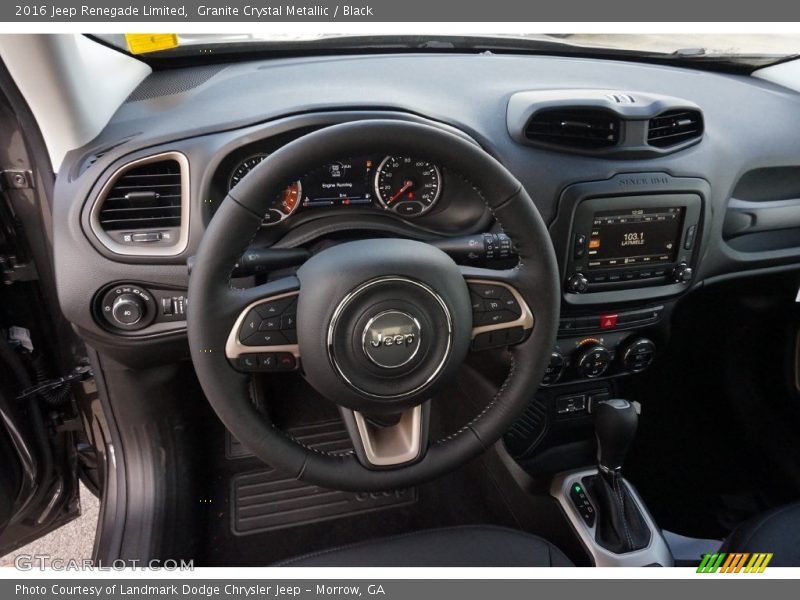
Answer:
(627, 247)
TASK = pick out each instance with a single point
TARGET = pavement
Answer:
(72, 541)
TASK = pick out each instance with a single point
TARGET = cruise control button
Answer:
(493, 305)
(486, 291)
(477, 303)
(494, 317)
(510, 302)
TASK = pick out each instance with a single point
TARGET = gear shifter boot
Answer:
(621, 527)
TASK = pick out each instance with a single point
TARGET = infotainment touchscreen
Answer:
(622, 238)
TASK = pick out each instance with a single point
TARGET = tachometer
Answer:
(283, 205)
(243, 168)
(408, 186)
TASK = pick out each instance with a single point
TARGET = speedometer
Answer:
(407, 186)
(280, 207)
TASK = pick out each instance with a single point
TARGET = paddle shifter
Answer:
(620, 525)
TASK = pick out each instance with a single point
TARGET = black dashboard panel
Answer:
(749, 127)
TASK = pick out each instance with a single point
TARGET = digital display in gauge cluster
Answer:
(407, 186)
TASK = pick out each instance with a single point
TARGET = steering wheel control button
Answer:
(494, 317)
(250, 325)
(272, 323)
(285, 361)
(249, 362)
(391, 339)
(274, 307)
(267, 362)
(486, 291)
(477, 303)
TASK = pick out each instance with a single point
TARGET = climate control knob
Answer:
(592, 360)
(577, 283)
(637, 354)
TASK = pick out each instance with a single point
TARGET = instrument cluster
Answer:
(407, 186)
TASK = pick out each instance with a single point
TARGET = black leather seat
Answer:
(775, 531)
(467, 546)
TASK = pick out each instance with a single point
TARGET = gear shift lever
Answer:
(620, 525)
(615, 423)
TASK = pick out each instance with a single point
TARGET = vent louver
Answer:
(674, 127)
(145, 197)
(574, 128)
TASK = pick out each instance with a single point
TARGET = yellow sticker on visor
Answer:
(142, 43)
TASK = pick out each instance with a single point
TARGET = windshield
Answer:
(766, 47)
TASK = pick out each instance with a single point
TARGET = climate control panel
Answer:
(595, 357)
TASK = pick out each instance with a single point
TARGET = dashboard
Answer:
(667, 189)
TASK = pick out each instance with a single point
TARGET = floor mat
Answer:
(267, 499)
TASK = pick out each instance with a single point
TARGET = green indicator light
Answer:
(577, 488)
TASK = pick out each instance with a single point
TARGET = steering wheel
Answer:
(377, 326)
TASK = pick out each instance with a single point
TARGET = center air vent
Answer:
(143, 208)
(574, 128)
(674, 127)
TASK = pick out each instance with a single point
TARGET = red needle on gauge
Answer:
(407, 185)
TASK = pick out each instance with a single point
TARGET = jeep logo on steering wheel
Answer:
(391, 339)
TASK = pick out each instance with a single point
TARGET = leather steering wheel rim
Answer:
(214, 305)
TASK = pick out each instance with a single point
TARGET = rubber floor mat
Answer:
(267, 499)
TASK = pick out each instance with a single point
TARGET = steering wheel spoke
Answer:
(389, 441)
(500, 315)
(263, 337)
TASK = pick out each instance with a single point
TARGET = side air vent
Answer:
(674, 127)
(574, 127)
(142, 209)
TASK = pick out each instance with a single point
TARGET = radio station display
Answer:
(634, 237)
